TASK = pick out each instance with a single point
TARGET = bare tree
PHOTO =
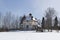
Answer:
(7, 20)
(0, 19)
(17, 23)
(49, 15)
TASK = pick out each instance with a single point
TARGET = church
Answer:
(29, 23)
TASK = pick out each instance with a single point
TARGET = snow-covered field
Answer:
(29, 35)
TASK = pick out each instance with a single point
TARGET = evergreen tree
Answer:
(21, 22)
(23, 18)
(56, 23)
(43, 23)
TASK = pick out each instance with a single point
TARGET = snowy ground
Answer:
(30, 35)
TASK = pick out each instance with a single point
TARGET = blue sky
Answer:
(36, 7)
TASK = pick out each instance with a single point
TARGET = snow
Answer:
(29, 35)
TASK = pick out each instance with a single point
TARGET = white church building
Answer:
(29, 24)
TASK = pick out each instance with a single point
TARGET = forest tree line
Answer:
(50, 21)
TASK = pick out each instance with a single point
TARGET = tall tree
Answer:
(17, 23)
(21, 22)
(43, 23)
(56, 23)
(49, 15)
(7, 20)
(23, 18)
(1, 19)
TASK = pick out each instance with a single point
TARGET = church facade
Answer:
(29, 23)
